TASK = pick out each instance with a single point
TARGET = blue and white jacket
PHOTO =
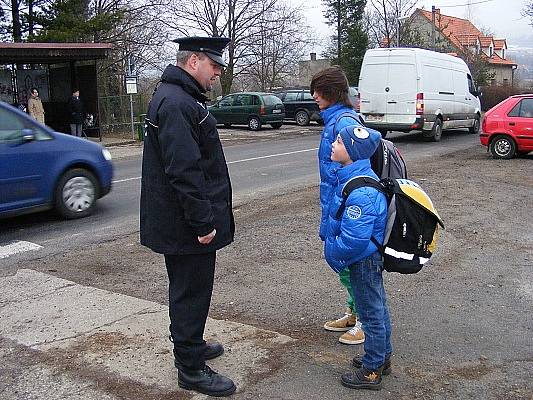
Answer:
(328, 168)
(347, 240)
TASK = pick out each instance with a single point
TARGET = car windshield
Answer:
(271, 100)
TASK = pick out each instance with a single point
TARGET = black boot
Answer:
(387, 366)
(206, 381)
(362, 378)
(213, 350)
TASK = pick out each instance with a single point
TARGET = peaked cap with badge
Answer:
(213, 47)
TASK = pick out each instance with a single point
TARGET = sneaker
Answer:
(387, 366)
(362, 378)
(342, 324)
(354, 335)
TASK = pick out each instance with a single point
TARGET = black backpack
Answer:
(386, 162)
(412, 225)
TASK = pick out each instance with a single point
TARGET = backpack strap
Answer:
(353, 115)
(353, 184)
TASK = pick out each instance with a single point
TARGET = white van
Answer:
(404, 89)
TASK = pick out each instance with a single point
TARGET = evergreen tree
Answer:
(348, 47)
(74, 21)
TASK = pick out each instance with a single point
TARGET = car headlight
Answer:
(107, 155)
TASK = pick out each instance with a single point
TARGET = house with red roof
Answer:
(460, 36)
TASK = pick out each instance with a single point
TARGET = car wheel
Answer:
(302, 118)
(503, 147)
(254, 123)
(474, 129)
(76, 194)
(277, 125)
(383, 134)
(227, 125)
(436, 132)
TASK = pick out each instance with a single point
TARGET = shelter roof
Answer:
(50, 53)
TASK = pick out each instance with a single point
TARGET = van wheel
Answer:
(383, 134)
(254, 124)
(76, 194)
(436, 132)
(474, 129)
(502, 147)
(302, 118)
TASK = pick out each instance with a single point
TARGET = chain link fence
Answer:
(115, 115)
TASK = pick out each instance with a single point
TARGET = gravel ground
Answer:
(462, 328)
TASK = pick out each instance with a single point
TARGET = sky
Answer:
(502, 17)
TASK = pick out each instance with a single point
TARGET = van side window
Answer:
(471, 86)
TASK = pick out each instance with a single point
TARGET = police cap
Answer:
(213, 47)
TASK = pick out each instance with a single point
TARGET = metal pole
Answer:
(433, 28)
(131, 115)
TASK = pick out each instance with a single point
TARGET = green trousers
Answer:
(344, 277)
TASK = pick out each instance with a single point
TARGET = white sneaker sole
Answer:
(333, 329)
(346, 341)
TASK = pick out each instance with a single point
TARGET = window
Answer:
(11, 126)
(226, 101)
(271, 100)
(471, 86)
(291, 96)
(515, 111)
(526, 108)
(243, 100)
(307, 96)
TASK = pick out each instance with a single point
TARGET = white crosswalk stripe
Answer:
(18, 247)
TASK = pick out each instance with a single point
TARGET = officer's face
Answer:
(208, 72)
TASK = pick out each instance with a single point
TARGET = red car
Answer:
(507, 128)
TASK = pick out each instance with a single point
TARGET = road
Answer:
(86, 316)
(258, 170)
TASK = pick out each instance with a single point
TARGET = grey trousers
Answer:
(76, 129)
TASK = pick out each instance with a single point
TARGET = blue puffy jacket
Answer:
(348, 239)
(328, 168)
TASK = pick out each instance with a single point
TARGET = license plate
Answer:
(276, 111)
(371, 117)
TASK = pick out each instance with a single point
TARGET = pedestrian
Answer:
(329, 88)
(76, 113)
(35, 106)
(348, 247)
(186, 203)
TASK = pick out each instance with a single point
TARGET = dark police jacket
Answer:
(185, 187)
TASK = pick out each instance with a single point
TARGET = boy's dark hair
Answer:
(332, 85)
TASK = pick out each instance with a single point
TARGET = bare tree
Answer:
(234, 19)
(280, 39)
(528, 12)
(384, 21)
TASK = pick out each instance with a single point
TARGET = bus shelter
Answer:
(55, 69)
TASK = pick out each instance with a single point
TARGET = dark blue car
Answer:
(42, 169)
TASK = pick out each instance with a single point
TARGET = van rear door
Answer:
(401, 89)
(372, 82)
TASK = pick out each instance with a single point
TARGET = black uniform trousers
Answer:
(190, 287)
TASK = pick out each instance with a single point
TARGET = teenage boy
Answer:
(348, 245)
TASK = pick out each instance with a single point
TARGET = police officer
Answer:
(186, 209)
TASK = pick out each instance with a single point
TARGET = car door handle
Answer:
(511, 123)
(392, 102)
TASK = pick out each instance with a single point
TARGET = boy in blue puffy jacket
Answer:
(348, 245)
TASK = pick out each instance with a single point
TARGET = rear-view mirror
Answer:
(28, 135)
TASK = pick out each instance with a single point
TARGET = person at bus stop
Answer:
(35, 106)
(329, 88)
(76, 113)
(186, 203)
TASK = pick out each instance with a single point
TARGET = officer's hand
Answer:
(207, 238)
